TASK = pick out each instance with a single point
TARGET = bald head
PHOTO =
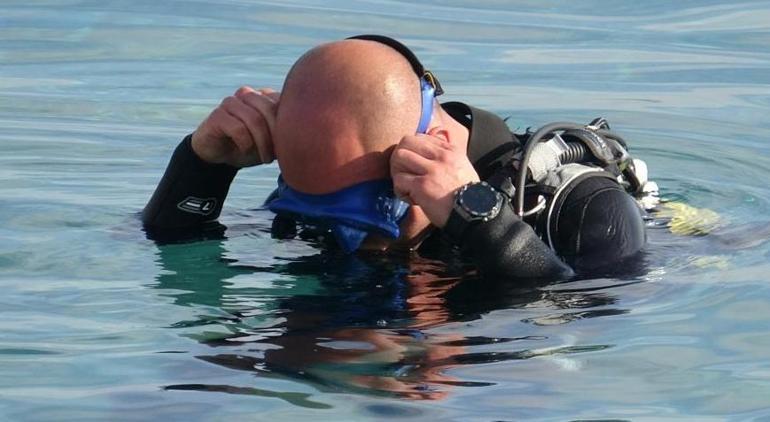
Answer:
(343, 106)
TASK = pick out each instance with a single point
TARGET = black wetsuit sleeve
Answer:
(507, 247)
(190, 194)
(598, 226)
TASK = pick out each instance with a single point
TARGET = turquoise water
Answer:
(98, 323)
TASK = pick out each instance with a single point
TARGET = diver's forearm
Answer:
(190, 193)
(507, 247)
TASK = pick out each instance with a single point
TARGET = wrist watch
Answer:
(474, 203)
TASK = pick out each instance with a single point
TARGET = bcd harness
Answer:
(558, 157)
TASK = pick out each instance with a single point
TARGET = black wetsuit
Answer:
(598, 225)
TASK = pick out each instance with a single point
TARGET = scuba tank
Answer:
(558, 157)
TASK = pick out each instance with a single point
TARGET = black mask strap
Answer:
(419, 69)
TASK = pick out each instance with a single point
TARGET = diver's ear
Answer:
(437, 127)
(441, 133)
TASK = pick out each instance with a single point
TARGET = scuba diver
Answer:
(370, 160)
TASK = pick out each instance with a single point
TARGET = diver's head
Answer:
(344, 106)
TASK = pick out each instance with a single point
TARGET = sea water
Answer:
(99, 323)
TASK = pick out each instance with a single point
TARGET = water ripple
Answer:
(99, 322)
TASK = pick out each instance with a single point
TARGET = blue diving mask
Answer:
(354, 212)
(350, 214)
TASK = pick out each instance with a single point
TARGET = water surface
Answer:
(99, 323)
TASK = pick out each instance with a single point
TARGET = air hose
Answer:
(576, 151)
(537, 137)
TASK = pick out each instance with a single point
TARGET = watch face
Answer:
(480, 199)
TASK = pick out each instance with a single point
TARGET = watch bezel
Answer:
(471, 214)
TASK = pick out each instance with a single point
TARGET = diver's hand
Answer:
(239, 131)
(427, 170)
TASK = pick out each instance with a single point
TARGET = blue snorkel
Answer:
(369, 207)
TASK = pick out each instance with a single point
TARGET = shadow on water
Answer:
(371, 325)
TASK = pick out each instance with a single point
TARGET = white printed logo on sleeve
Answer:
(202, 206)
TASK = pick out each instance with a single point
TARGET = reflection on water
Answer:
(367, 324)
(94, 96)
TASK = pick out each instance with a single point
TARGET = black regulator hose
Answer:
(537, 137)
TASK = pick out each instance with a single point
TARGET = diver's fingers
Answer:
(427, 146)
(263, 108)
(405, 160)
(233, 128)
(271, 93)
(402, 184)
(252, 120)
(425, 192)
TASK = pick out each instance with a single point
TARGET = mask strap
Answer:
(428, 94)
(417, 66)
